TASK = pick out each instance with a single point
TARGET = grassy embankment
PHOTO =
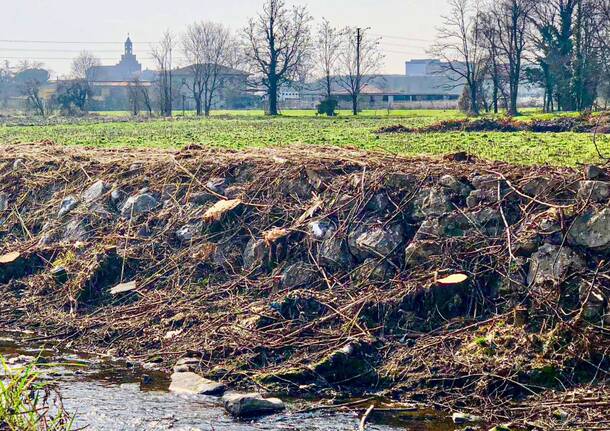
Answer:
(243, 129)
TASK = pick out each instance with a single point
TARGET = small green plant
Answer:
(27, 404)
(328, 107)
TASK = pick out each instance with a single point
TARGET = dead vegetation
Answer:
(585, 123)
(462, 285)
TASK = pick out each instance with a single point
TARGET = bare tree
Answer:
(460, 46)
(6, 78)
(209, 48)
(163, 56)
(278, 41)
(359, 63)
(511, 20)
(328, 51)
(495, 66)
(82, 65)
(30, 82)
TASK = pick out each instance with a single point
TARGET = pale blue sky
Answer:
(411, 22)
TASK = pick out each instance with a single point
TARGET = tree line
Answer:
(495, 46)
(279, 47)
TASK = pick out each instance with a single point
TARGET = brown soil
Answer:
(492, 344)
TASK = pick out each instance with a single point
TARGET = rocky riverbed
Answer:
(477, 288)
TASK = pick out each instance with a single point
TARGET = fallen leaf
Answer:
(220, 208)
(10, 257)
(274, 234)
(453, 279)
(123, 288)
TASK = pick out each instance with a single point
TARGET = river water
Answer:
(109, 395)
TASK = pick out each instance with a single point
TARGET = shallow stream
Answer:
(110, 395)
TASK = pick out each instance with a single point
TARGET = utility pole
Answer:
(358, 55)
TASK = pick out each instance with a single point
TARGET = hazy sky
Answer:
(408, 26)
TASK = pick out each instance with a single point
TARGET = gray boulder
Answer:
(460, 418)
(186, 233)
(593, 302)
(372, 270)
(591, 230)
(18, 164)
(117, 196)
(487, 182)
(67, 205)
(419, 252)
(139, 204)
(321, 229)
(553, 264)
(593, 172)
(432, 202)
(255, 253)
(594, 191)
(378, 203)
(193, 384)
(3, 202)
(482, 197)
(185, 365)
(379, 242)
(334, 254)
(457, 186)
(297, 275)
(401, 181)
(217, 185)
(75, 230)
(95, 192)
(253, 404)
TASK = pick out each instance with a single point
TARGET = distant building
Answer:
(126, 70)
(231, 92)
(425, 67)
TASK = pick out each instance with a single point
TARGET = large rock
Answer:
(187, 233)
(3, 202)
(193, 384)
(594, 191)
(553, 264)
(348, 366)
(373, 270)
(458, 187)
(379, 202)
(593, 303)
(76, 230)
(255, 253)
(379, 242)
(482, 197)
(591, 230)
(321, 229)
(297, 275)
(67, 205)
(335, 255)
(253, 404)
(95, 192)
(432, 202)
(139, 204)
(419, 252)
(217, 185)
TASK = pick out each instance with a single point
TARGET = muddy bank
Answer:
(460, 284)
(582, 124)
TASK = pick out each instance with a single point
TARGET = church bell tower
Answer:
(128, 47)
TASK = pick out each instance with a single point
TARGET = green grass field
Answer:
(236, 130)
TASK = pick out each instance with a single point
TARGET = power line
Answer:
(402, 38)
(57, 42)
(56, 50)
